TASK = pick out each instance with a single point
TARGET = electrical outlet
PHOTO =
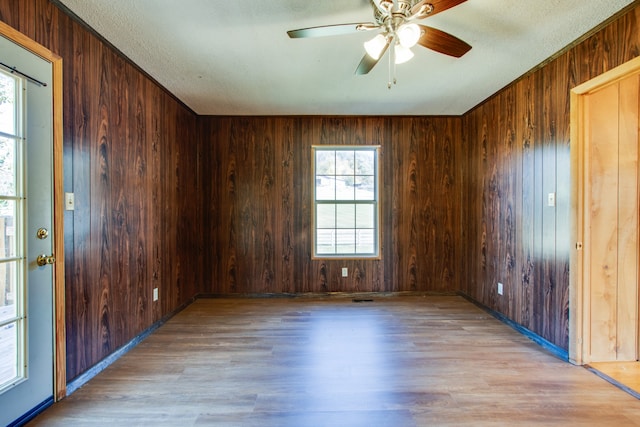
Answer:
(500, 288)
(345, 272)
(155, 294)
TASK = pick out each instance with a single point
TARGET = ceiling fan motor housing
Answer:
(403, 9)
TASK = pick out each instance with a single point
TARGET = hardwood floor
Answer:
(626, 374)
(396, 361)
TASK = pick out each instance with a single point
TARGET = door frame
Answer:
(579, 294)
(59, 339)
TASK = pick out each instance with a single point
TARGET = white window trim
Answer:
(376, 202)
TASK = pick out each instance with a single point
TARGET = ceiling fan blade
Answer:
(367, 62)
(332, 30)
(438, 5)
(442, 42)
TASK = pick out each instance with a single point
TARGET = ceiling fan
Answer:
(395, 19)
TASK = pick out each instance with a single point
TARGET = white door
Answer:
(26, 289)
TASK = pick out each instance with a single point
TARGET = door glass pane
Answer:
(7, 104)
(8, 353)
(12, 316)
(7, 166)
(8, 220)
(8, 286)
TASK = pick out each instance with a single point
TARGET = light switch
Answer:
(551, 199)
(69, 201)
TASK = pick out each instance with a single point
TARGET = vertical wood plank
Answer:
(563, 245)
(603, 149)
(525, 130)
(549, 312)
(628, 284)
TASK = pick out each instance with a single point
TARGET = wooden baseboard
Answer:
(368, 295)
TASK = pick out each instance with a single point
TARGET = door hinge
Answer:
(578, 246)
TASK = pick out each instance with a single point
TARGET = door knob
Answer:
(43, 260)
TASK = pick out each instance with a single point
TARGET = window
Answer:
(346, 201)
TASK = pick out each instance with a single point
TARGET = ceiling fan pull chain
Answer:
(392, 63)
(395, 66)
(389, 67)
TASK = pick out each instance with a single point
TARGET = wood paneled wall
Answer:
(518, 152)
(222, 205)
(261, 204)
(131, 158)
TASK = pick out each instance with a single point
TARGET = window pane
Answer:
(325, 162)
(365, 189)
(325, 241)
(7, 104)
(365, 162)
(345, 162)
(7, 166)
(365, 243)
(325, 187)
(326, 216)
(346, 241)
(365, 216)
(345, 189)
(346, 216)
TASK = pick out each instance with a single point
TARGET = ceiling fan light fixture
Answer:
(408, 34)
(402, 54)
(375, 46)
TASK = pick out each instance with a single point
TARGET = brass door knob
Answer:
(43, 260)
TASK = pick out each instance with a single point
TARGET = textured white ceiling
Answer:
(225, 57)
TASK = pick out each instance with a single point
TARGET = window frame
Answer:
(376, 254)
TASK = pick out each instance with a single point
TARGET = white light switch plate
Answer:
(69, 201)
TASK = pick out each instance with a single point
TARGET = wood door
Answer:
(606, 199)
